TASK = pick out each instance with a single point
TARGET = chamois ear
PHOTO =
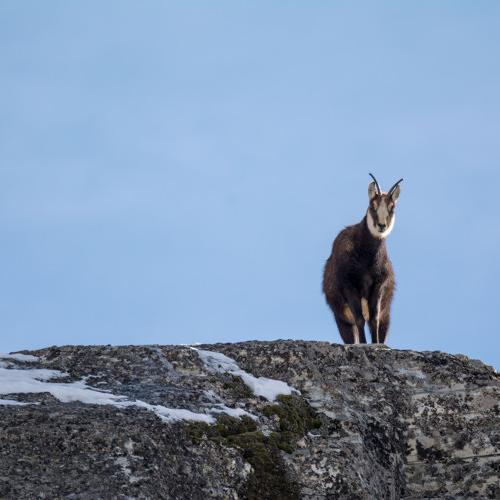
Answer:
(395, 193)
(372, 191)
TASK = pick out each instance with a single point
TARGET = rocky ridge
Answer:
(163, 422)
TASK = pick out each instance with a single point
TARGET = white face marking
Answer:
(382, 212)
(374, 231)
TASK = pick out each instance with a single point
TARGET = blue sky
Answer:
(175, 172)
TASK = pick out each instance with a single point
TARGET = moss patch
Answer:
(296, 419)
(236, 387)
(269, 479)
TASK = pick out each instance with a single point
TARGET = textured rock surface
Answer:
(370, 423)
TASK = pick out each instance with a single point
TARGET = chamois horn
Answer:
(376, 183)
(394, 187)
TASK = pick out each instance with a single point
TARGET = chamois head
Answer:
(380, 215)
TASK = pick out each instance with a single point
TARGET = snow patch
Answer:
(261, 386)
(233, 412)
(20, 357)
(169, 414)
(37, 381)
(11, 402)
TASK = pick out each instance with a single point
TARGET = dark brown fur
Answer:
(358, 268)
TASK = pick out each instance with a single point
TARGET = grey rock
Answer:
(387, 424)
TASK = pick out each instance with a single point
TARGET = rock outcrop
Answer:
(86, 422)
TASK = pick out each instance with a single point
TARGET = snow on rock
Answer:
(169, 414)
(233, 412)
(20, 357)
(261, 386)
(13, 381)
(11, 402)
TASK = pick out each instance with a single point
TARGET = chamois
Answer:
(358, 279)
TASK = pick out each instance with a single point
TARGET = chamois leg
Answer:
(383, 328)
(380, 308)
(346, 330)
(360, 325)
(374, 326)
(354, 305)
(377, 305)
(379, 327)
(374, 322)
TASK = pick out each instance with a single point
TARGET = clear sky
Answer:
(175, 172)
